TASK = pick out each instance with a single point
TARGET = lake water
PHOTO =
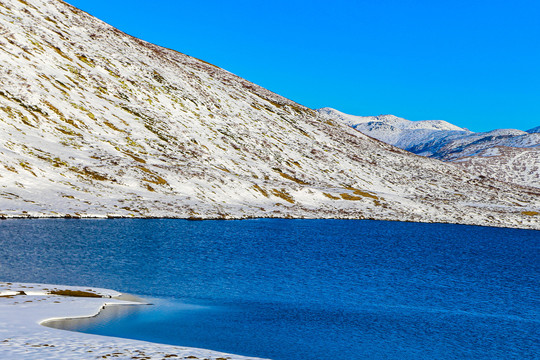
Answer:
(299, 289)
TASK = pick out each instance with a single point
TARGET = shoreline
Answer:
(528, 226)
(26, 308)
(63, 323)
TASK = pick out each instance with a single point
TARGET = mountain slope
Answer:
(534, 130)
(505, 154)
(94, 122)
(510, 164)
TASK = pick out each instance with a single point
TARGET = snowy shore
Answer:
(25, 307)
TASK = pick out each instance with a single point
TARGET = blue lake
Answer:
(299, 289)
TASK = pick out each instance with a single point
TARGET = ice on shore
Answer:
(24, 307)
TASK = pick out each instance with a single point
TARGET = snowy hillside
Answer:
(441, 140)
(510, 164)
(94, 122)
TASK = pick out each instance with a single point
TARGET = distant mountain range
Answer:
(506, 154)
(96, 123)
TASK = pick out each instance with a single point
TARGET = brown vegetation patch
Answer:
(86, 60)
(86, 171)
(362, 193)
(60, 115)
(158, 77)
(66, 131)
(60, 52)
(111, 125)
(296, 163)
(330, 122)
(346, 196)
(330, 196)
(154, 178)
(75, 293)
(25, 165)
(149, 188)
(283, 194)
(530, 213)
(223, 169)
(261, 190)
(135, 157)
(292, 178)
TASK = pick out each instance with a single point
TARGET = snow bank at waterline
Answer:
(25, 307)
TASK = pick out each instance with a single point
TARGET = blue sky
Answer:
(473, 63)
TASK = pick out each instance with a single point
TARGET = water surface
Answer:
(299, 289)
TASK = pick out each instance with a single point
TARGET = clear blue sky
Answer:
(473, 63)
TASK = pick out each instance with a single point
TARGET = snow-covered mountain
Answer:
(507, 154)
(534, 130)
(94, 122)
(399, 132)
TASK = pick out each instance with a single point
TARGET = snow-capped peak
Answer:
(389, 121)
